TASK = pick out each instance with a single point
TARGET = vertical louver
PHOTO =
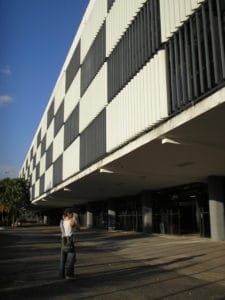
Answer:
(196, 56)
(57, 171)
(73, 67)
(137, 46)
(49, 154)
(50, 114)
(59, 118)
(93, 141)
(93, 60)
(71, 128)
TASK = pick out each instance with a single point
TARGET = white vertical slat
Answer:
(37, 185)
(126, 121)
(42, 164)
(194, 4)
(167, 10)
(58, 144)
(163, 85)
(92, 26)
(71, 166)
(174, 13)
(134, 103)
(31, 166)
(138, 102)
(50, 134)
(117, 21)
(129, 110)
(141, 104)
(141, 100)
(163, 20)
(152, 87)
(172, 16)
(177, 13)
(133, 107)
(44, 124)
(150, 93)
(38, 154)
(157, 69)
(59, 91)
(156, 81)
(94, 99)
(188, 9)
(49, 178)
(183, 16)
(33, 178)
(147, 92)
(144, 97)
(72, 96)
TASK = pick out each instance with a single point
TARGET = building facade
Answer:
(134, 130)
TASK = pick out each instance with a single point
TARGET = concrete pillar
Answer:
(45, 220)
(147, 220)
(111, 215)
(90, 216)
(216, 207)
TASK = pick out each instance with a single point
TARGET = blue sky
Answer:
(35, 37)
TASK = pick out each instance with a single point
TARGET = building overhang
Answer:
(186, 148)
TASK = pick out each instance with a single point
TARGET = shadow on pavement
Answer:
(29, 269)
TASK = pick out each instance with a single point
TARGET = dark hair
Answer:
(68, 211)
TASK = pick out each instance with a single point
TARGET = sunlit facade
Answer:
(134, 129)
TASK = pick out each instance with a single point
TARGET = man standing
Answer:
(68, 250)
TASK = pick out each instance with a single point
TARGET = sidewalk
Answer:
(117, 265)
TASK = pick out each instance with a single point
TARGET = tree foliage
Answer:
(14, 198)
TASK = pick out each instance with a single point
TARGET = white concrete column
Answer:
(216, 207)
(147, 220)
(90, 216)
(111, 215)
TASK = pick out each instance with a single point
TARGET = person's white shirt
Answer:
(66, 228)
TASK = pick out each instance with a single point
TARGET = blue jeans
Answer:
(67, 262)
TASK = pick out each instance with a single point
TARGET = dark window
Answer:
(93, 60)
(39, 138)
(196, 57)
(57, 171)
(43, 145)
(93, 141)
(71, 128)
(37, 171)
(49, 156)
(139, 43)
(42, 184)
(110, 4)
(26, 163)
(50, 115)
(73, 67)
(59, 118)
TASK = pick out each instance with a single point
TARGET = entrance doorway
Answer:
(182, 210)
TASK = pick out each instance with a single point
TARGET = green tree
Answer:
(14, 198)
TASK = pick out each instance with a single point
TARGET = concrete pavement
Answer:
(111, 265)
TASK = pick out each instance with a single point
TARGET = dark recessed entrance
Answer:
(182, 210)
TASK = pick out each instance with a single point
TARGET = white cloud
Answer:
(4, 99)
(6, 70)
(6, 171)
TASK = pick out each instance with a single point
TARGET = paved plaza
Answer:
(111, 265)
